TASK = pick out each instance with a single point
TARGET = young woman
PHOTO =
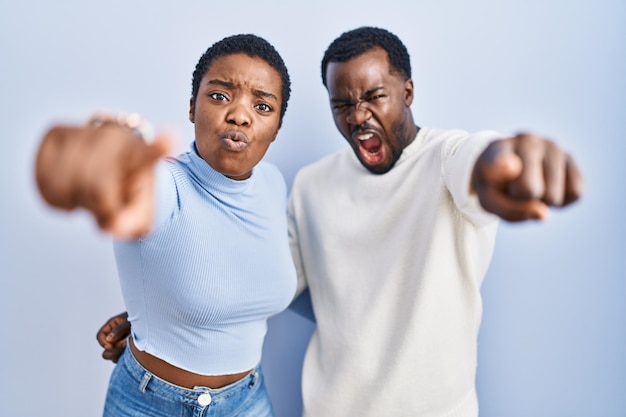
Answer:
(201, 239)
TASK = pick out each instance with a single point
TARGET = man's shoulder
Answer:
(323, 172)
(436, 133)
(325, 164)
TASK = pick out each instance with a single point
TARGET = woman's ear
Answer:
(192, 110)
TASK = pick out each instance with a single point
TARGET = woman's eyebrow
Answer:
(256, 91)
(264, 94)
(221, 82)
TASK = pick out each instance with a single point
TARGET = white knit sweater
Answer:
(394, 264)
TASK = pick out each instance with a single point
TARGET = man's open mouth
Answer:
(370, 147)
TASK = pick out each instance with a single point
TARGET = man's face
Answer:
(371, 108)
(236, 113)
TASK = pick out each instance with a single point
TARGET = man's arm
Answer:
(519, 178)
(107, 169)
(112, 336)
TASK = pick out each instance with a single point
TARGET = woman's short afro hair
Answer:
(251, 45)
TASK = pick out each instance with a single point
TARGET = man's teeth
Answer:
(365, 136)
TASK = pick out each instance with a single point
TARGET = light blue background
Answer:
(553, 340)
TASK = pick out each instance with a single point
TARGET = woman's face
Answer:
(236, 113)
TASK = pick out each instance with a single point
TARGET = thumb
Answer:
(496, 170)
(498, 165)
(161, 147)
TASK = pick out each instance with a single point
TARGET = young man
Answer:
(393, 238)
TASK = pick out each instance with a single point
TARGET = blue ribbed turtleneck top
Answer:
(200, 287)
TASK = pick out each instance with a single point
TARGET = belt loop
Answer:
(254, 378)
(144, 381)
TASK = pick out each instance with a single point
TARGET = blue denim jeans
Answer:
(135, 392)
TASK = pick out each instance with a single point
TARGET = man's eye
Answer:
(340, 106)
(218, 96)
(264, 107)
(376, 97)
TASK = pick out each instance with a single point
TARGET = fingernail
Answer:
(110, 336)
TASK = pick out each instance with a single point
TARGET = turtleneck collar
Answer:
(209, 178)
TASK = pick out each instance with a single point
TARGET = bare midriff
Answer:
(182, 378)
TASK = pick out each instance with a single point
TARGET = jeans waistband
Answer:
(144, 379)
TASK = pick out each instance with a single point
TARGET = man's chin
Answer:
(376, 163)
(379, 168)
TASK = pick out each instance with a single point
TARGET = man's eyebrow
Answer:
(372, 91)
(341, 100)
(257, 92)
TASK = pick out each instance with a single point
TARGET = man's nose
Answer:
(359, 115)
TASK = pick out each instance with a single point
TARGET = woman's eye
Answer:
(218, 96)
(264, 107)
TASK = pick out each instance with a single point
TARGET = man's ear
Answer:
(192, 110)
(408, 92)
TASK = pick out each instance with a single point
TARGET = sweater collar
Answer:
(413, 147)
(209, 178)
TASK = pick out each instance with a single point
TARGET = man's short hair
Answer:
(251, 45)
(358, 41)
